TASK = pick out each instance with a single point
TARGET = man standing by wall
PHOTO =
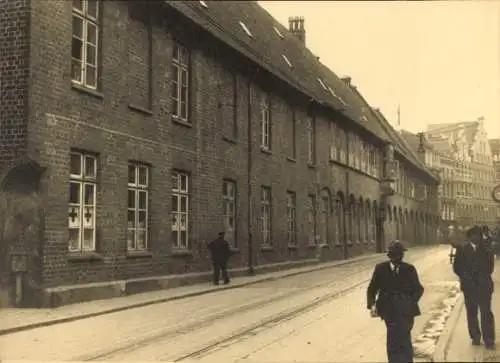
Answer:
(393, 294)
(221, 251)
(474, 264)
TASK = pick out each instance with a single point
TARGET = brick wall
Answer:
(103, 122)
(14, 76)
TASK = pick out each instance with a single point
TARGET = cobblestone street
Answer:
(319, 316)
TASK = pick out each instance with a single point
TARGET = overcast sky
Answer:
(439, 60)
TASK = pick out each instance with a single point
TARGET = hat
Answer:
(396, 247)
(222, 233)
(474, 230)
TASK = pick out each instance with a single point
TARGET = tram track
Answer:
(342, 284)
(181, 329)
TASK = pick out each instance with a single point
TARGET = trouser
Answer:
(399, 346)
(483, 303)
(218, 268)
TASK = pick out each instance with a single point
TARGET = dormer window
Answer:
(337, 97)
(246, 29)
(287, 61)
(280, 34)
(322, 84)
(363, 118)
(204, 4)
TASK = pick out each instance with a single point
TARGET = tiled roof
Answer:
(248, 28)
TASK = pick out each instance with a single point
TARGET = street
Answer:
(320, 316)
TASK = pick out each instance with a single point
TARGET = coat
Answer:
(220, 250)
(395, 295)
(474, 269)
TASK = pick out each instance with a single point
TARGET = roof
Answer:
(413, 140)
(470, 129)
(251, 30)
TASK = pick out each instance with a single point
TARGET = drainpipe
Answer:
(249, 180)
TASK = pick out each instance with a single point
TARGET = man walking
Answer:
(474, 264)
(220, 251)
(393, 294)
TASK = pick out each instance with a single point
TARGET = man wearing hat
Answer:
(393, 295)
(474, 264)
(220, 251)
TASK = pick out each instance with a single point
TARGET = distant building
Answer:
(132, 132)
(495, 151)
(473, 175)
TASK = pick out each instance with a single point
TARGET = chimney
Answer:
(347, 80)
(296, 27)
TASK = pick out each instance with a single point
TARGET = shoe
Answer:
(490, 346)
(476, 341)
(226, 282)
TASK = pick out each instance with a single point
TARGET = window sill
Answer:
(318, 245)
(85, 256)
(265, 151)
(311, 165)
(235, 250)
(181, 122)
(293, 160)
(266, 248)
(140, 109)
(89, 91)
(139, 254)
(229, 139)
(293, 247)
(181, 252)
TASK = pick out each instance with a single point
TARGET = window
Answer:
(229, 210)
(228, 104)
(180, 209)
(339, 220)
(287, 60)
(333, 141)
(265, 215)
(342, 145)
(277, 31)
(138, 207)
(85, 42)
(311, 140)
(322, 84)
(247, 31)
(82, 202)
(291, 218)
(294, 135)
(265, 123)
(180, 82)
(311, 219)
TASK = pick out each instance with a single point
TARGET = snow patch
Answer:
(425, 344)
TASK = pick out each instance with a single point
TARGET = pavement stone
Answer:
(455, 345)
(15, 320)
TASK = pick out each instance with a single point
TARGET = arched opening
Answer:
(368, 222)
(352, 220)
(361, 220)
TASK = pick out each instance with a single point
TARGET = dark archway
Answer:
(21, 234)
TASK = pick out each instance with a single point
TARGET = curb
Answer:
(211, 289)
(443, 344)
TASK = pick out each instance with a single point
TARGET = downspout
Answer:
(249, 180)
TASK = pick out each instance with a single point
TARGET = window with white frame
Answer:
(82, 202)
(265, 122)
(291, 218)
(138, 207)
(180, 83)
(265, 215)
(229, 210)
(342, 142)
(311, 141)
(311, 219)
(180, 209)
(85, 43)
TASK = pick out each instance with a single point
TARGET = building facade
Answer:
(146, 128)
(495, 150)
(466, 157)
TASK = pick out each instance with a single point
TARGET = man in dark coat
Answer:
(474, 264)
(393, 294)
(221, 251)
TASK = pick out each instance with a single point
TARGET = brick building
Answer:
(132, 132)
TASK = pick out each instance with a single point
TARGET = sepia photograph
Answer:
(249, 181)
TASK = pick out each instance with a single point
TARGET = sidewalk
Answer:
(455, 345)
(14, 320)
